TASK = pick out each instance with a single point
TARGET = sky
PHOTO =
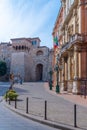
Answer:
(28, 18)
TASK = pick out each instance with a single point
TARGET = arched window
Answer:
(16, 47)
(22, 47)
(19, 47)
(25, 47)
(39, 53)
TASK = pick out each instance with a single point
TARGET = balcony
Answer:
(77, 38)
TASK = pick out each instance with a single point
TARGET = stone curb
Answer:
(37, 119)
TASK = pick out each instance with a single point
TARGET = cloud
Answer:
(26, 19)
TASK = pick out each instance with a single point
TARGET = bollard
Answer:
(75, 120)
(27, 105)
(15, 103)
(45, 114)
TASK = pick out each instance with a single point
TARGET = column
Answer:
(67, 6)
(75, 89)
(62, 67)
(59, 76)
(66, 70)
(62, 72)
(63, 37)
(64, 10)
(69, 62)
(79, 57)
(65, 74)
(69, 82)
(66, 33)
(76, 62)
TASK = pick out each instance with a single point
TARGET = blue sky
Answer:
(28, 18)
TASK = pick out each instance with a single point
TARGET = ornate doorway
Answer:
(39, 72)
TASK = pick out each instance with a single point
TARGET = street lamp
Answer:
(57, 68)
(57, 74)
(50, 80)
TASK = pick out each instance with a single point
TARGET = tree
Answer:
(3, 68)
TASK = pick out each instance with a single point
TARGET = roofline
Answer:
(4, 42)
(57, 18)
(35, 38)
(43, 47)
(23, 38)
(18, 38)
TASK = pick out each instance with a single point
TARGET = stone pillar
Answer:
(62, 67)
(76, 62)
(69, 84)
(69, 62)
(79, 57)
(76, 70)
(65, 74)
(62, 74)
(66, 33)
(66, 71)
(59, 76)
(64, 10)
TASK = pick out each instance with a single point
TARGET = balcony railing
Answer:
(73, 39)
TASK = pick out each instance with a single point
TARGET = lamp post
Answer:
(57, 68)
(57, 74)
(50, 81)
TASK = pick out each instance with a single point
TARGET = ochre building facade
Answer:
(71, 29)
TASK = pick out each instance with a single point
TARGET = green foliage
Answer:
(11, 94)
(3, 68)
(11, 90)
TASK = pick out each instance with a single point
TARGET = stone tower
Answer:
(30, 60)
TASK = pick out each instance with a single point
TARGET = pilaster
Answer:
(69, 84)
(75, 62)
(69, 62)
(79, 57)
(62, 72)
(65, 70)
(77, 71)
(65, 73)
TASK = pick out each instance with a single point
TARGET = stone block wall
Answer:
(31, 65)
(40, 58)
(17, 64)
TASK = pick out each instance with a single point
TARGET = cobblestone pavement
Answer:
(60, 107)
(76, 99)
(12, 121)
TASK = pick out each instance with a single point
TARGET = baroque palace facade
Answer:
(71, 30)
(25, 57)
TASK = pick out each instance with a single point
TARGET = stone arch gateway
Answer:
(39, 72)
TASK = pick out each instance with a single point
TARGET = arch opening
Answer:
(39, 72)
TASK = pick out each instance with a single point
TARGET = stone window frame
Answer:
(39, 52)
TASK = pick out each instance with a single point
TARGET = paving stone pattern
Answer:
(58, 109)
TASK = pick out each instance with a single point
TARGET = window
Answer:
(39, 53)
(71, 2)
(34, 42)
